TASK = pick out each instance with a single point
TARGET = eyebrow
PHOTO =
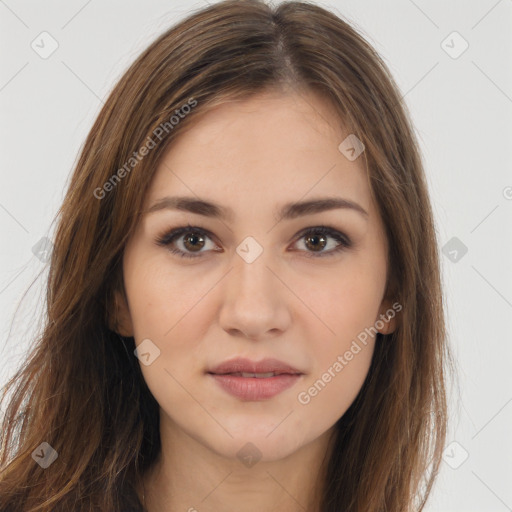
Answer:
(287, 212)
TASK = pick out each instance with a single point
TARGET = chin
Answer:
(259, 442)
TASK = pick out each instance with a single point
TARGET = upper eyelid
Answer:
(176, 233)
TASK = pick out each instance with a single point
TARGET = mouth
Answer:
(253, 375)
(254, 381)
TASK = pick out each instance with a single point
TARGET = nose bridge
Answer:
(253, 282)
(253, 302)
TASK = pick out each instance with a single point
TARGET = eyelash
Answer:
(169, 237)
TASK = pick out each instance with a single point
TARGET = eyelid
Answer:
(344, 241)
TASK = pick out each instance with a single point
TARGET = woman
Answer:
(244, 301)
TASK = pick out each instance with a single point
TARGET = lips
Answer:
(253, 381)
(246, 366)
(255, 375)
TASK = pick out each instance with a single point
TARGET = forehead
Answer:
(275, 146)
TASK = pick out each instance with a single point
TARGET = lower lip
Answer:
(253, 388)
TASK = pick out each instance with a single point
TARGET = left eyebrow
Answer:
(294, 210)
(287, 212)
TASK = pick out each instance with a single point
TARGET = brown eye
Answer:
(193, 242)
(190, 241)
(316, 240)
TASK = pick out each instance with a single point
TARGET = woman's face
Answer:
(245, 283)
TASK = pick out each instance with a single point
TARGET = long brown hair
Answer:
(81, 389)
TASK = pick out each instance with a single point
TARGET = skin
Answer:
(253, 156)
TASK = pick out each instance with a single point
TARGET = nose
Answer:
(255, 301)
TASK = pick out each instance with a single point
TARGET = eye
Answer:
(317, 239)
(194, 241)
(190, 240)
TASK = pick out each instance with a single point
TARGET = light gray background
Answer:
(461, 108)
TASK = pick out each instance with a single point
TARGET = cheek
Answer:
(343, 342)
(172, 310)
(339, 373)
(342, 303)
(174, 313)
(163, 300)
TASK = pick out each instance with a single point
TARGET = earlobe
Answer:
(120, 320)
(387, 322)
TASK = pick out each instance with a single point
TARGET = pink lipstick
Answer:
(252, 381)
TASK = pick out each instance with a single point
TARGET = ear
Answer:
(120, 320)
(387, 321)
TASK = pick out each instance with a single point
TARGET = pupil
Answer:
(194, 239)
(316, 239)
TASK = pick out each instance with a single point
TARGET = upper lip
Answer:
(240, 364)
